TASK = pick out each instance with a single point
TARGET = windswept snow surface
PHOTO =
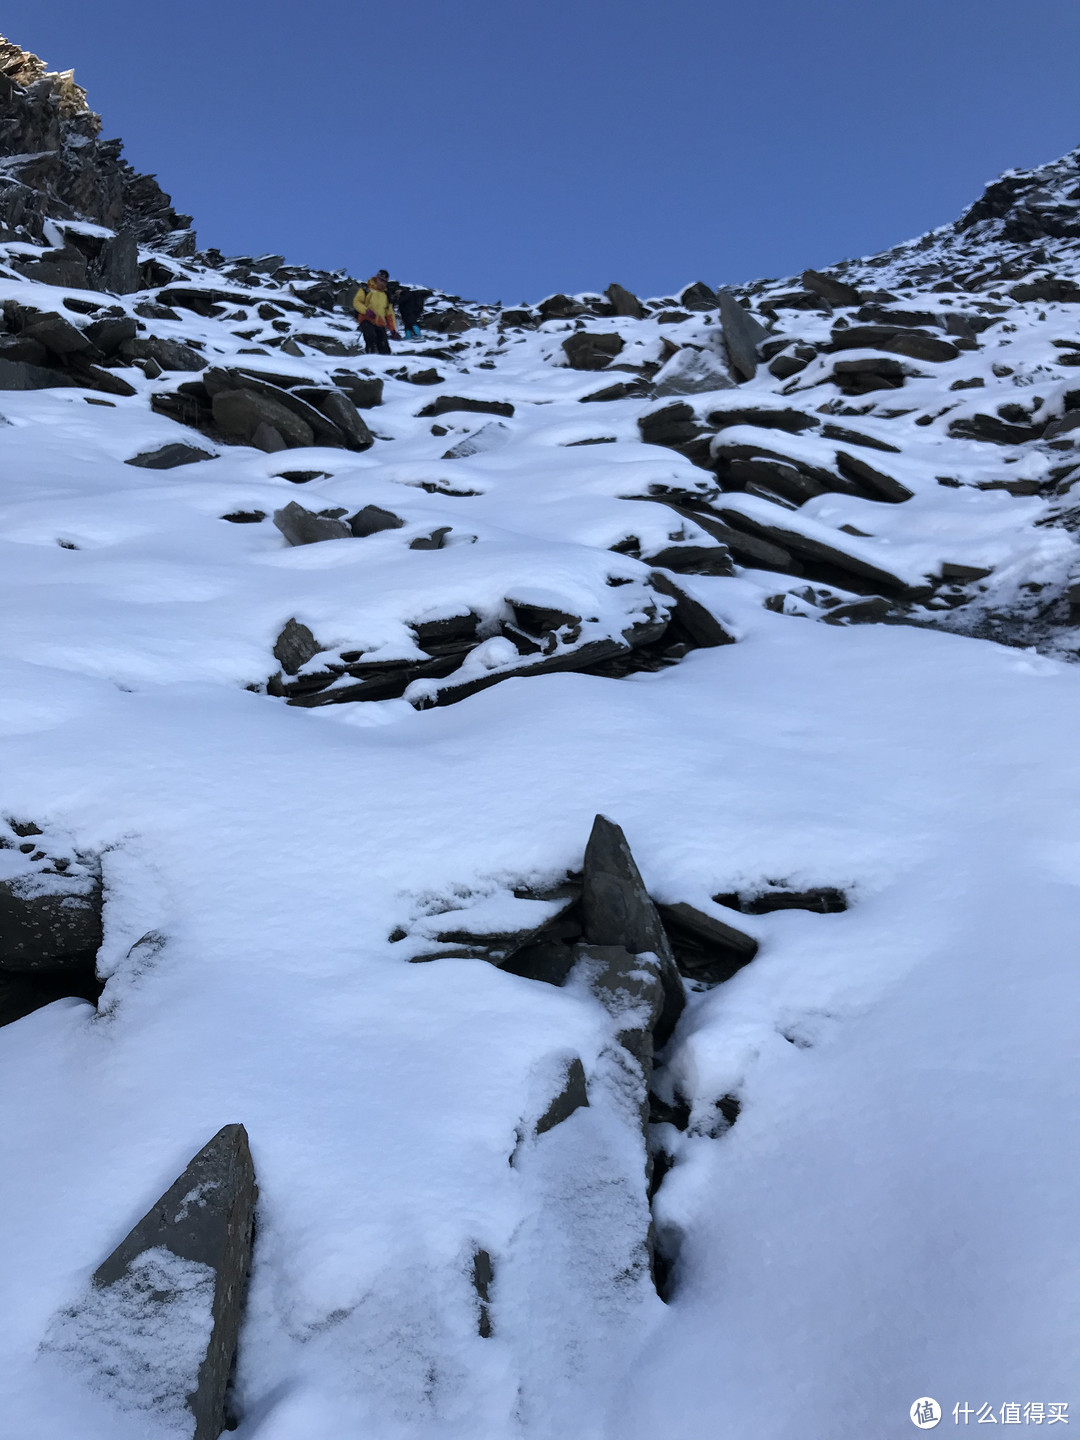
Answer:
(892, 1215)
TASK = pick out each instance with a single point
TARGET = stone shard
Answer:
(56, 333)
(205, 1219)
(830, 289)
(742, 335)
(617, 911)
(295, 646)
(340, 411)
(631, 989)
(624, 302)
(573, 1096)
(168, 457)
(109, 333)
(700, 625)
(304, 527)
(20, 375)
(694, 559)
(692, 372)
(706, 948)
(880, 485)
(364, 391)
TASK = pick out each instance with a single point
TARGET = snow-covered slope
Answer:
(278, 726)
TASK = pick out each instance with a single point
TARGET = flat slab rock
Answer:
(172, 1293)
(169, 457)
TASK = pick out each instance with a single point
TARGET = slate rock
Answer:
(295, 646)
(559, 307)
(110, 332)
(573, 1096)
(747, 549)
(691, 371)
(836, 292)
(372, 519)
(870, 611)
(817, 551)
(694, 559)
(742, 335)
(56, 333)
(915, 344)
(861, 376)
(22, 347)
(880, 485)
(855, 437)
(702, 627)
(706, 948)
(304, 527)
(174, 1290)
(631, 989)
(340, 411)
(698, 297)
(168, 457)
(47, 924)
(320, 427)
(364, 391)
(672, 425)
(1063, 425)
(445, 404)
(488, 437)
(239, 413)
(587, 350)
(623, 302)
(991, 428)
(794, 422)
(617, 911)
(169, 354)
(268, 440)
(19, 375)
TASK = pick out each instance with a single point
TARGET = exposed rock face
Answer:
(59, 167)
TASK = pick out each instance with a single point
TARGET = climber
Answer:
(376, 315)
(410, 308)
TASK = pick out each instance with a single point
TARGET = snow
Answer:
(892, 1214)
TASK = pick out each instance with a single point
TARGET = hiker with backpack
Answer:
(378, 324)
(410, 307)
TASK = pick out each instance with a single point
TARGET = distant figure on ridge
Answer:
(410, 308)
(376, 315)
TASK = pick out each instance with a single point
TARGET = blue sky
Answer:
(503, 149)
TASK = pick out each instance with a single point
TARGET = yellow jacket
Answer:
(374, 304)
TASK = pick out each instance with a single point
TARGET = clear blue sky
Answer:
(504, 149)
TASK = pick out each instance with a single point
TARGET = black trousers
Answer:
(376, 340)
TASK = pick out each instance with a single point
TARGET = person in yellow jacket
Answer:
(376, 315)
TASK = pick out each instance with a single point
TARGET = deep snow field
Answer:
(891, 1214)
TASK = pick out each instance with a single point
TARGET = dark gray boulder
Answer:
(990, 427)
(295, 646)
(624, 302)
(304, 527)
(22, 347)
(168, 457)
(19, 375)
(177, 1286)
(617, 911)
(169, 354)
(55, 332)
(829, 288)
(372, 518)
(817, 551)
(915, 344)
(110, 332)
(794, 422)
(694, 559)
(268, 440)
(587, 350)
(698, 297)
(364, 391)
(322, 429)
(115, 268)
(559, 307)
(239, 413)
(742, 335)
(342, 413)
(747, 549)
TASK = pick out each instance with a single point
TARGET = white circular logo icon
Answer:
(925, 1413)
